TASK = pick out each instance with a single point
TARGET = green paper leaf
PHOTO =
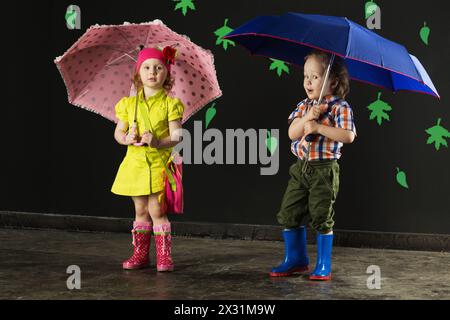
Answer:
(370, 8)
(71, 17)
(438, 134)
(425, 33)
(184, 5)
(271, 142)
(222, 32)
(210, 114)
(379, 109)
(280, 66)
(401, 179)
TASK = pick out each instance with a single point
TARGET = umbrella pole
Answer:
(324, 84)
(134, 126)
(326, 78)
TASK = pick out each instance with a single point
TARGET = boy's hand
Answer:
(315, 111)
(311, 127)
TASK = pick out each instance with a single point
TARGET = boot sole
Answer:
(165, 269)
(320, 278)
(135, 267)
(290, 273)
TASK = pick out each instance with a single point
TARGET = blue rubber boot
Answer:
(322, 271)
(295, 259)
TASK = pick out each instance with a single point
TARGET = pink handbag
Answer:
(174, 192)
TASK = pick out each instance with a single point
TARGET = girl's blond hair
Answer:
(338, 72)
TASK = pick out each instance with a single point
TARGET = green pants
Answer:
(311, 192)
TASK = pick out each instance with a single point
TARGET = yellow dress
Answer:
(141, 171)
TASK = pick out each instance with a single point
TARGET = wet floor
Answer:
(33, 265)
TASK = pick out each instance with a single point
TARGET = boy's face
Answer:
(313, 74)
(153, 73)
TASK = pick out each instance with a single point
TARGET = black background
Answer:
(58, 158)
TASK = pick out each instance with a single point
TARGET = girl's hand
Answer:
(315, 112)
(131, 138)
(148, 139)
(145, 139)
(311, 127)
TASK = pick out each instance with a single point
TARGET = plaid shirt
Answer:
(338, 115)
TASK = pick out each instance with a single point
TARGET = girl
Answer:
(314, 183)
(141, 173)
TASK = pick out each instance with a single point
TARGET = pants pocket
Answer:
(328, 179)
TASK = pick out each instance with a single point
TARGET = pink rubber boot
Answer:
(163, 241)
(141, 242)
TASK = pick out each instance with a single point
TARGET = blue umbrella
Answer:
(369, 57)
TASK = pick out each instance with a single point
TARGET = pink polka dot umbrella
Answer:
(97, 70)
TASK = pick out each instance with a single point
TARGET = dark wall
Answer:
(58, 158)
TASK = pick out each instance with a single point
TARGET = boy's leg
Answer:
(294, 206)
(293, 209)
(324, 182)
(323, 194)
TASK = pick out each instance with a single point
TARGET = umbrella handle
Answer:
(134, 127)
(136, 130)
(310, 137)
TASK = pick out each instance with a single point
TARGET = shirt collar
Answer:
(329, 98)
(155, 96)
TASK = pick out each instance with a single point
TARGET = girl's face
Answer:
(313, 77)
(153, 73)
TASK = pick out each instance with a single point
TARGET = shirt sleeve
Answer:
(344, 118)
(121, 110)
(298, 112)
(176, 109)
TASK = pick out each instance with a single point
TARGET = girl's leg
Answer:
(154, 210)
(162, 233)
(142, 228)
(140, 206)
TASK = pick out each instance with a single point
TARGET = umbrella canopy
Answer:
(369, 57)
(99, 67)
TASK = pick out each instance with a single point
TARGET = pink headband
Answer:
(167, 56)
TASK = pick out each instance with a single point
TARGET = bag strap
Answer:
(148, 126)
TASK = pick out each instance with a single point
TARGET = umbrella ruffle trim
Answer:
(207, 101)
